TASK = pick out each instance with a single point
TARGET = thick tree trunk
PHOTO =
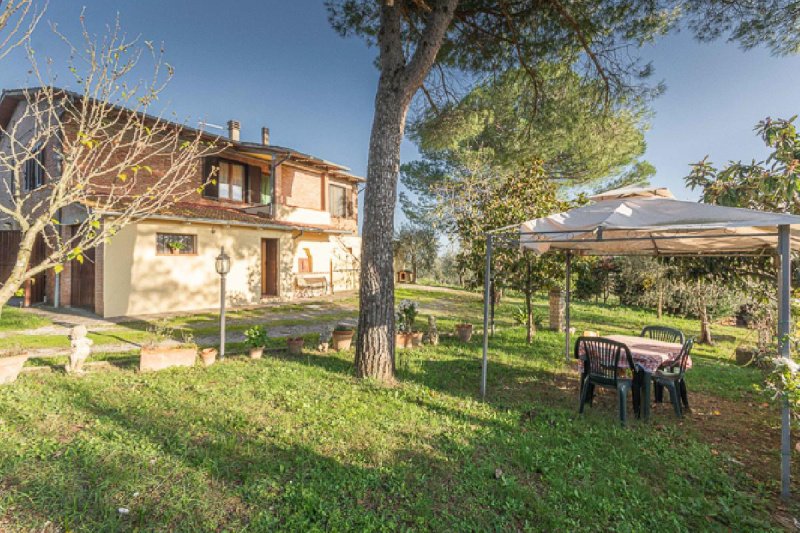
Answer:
(399, 80)
(376, 327)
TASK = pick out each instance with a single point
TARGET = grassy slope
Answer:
(299, 444)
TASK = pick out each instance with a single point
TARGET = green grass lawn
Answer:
(12, 319)
(297, 443)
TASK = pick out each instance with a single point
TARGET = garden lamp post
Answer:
(223, 265)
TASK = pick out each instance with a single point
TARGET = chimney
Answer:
(233, 130)
(265, 136)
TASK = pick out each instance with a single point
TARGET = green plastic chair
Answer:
(601, 368)
(671, 376)
(663, 333)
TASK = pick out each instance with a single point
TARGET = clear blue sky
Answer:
(278, 64)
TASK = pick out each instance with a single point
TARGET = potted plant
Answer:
(256, 340)
(406, 336)
(160, 350)
(464, 331)
(11, 363)
(175, 247)
(295, 344)
(342, 337)
(208, 356)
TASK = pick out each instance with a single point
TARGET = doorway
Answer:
(269, 267)
(82, 282)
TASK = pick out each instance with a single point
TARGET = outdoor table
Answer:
(648, 354)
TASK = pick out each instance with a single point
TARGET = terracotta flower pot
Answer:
(464, 332)
(10, 367)
(295, 345)
(343, 339)
(744, 354)
(416, 339)
(161, 357)
(208, 356)
(256, 352)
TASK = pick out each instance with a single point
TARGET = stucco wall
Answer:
(137, 281)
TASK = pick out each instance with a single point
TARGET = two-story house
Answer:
(288, 220)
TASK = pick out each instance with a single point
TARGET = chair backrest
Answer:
(683, 357)
(603, 357)
(663, 333)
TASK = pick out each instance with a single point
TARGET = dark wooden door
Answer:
(34, 287)
(269, 267)
(83, 281)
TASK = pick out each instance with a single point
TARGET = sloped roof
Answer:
(657, 225)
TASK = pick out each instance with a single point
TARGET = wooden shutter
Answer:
(211, 190)
(254, 184)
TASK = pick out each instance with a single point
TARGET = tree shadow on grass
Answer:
(179, 468)
(268, 459)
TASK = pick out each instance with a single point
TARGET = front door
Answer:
(82, 274)
(269, 267)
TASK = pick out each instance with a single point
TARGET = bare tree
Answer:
(18, 19)
(96, 153)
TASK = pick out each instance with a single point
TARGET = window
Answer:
(33, 171)
(338, 203)
(231, 181)
(176, 244)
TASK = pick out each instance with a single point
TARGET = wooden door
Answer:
(83, 281)
(269, 267)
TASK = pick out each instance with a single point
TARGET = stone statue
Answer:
(433, 333)
(325, 339)
(81, 348)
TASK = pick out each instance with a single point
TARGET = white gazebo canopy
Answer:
(650, 221)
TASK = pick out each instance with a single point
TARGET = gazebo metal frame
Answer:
(515, 237)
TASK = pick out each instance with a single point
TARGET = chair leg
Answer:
(676, 401)
(658, 392)
(636, 392)
(622, 392)
(684, 394)
(584, 392)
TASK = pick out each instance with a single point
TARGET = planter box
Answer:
(256, 353)
(401, 340)
(342, 340)
(10, 368)
(415, 339)
(159, 358)
(408, 340)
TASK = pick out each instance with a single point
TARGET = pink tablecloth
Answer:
(647, 353)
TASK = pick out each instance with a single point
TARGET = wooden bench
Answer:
(311, 285)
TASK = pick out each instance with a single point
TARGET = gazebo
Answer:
(650, 221)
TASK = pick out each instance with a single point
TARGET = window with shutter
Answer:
(230, 178)
(338, 203)
(33, 170)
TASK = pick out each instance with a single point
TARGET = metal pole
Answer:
(486, 295)
(222, 316)
(784, 319)
(566, 307)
